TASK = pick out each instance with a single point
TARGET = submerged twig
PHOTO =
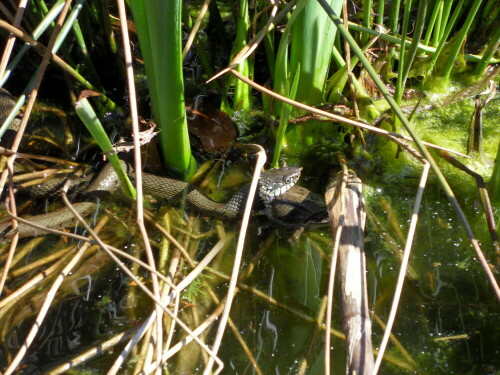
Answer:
(91, 241)
(91, 353)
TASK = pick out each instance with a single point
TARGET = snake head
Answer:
(275, 182)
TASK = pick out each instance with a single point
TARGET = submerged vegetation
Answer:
(389, 90)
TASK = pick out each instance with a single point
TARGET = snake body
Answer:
(272, 183)
(294, 202)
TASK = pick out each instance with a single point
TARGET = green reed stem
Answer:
(42, 7)
(68, 24)
(402, 53)
(417, 34)
(158, 26)
(40, 29)
(62, 35)
(286, 109)
(89, 65)
(494, 183)
(492, 48)
(311, 48)
(445, 35)
(281, 71)
(104, 17)
(242, 92)
(431, 25)
(86, 113)
(336, 83)
(445, 17)
(394, 16)
(269, 50)
(367, 10)
(460, 39)
(395, 40)
(380, 13)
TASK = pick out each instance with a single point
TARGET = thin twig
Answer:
(129, 273)
(404, 266)
(333, 116)
(34, 91)
(37, 280)
(138, 170)
(212, 294)
(197, 331)
(195, 28)
(9, 45)
(397, 344)
(15, 238)
(167, 299)
(39, 263)
(336, 234)
(261, 160)
(253, 44)
(93, 242)
(29, 107)
(21, 155)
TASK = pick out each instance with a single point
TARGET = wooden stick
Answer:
(352, 271)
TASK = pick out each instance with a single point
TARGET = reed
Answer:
(158, 26)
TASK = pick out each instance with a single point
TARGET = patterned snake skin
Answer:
(272, 183)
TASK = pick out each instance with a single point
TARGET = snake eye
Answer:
(288, 180)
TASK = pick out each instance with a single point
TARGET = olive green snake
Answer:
(272, 184)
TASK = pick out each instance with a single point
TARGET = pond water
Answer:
(448, 320)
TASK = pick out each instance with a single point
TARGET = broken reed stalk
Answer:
(352, 271)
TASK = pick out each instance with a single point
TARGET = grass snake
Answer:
(294, 204)
(272, 183)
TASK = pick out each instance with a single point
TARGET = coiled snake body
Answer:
(272, 183)
(294, 202)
